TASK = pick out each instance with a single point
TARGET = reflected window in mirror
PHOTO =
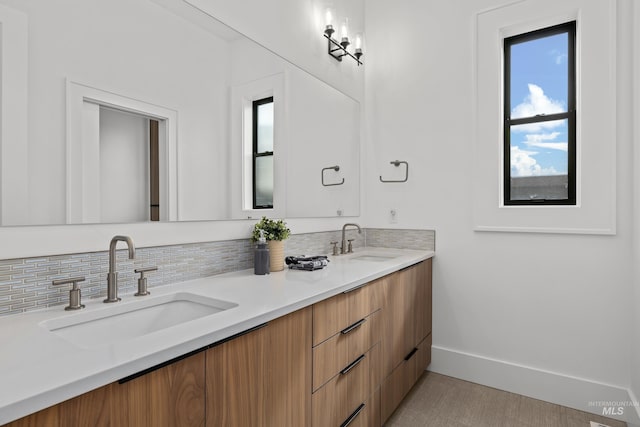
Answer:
(263, 144)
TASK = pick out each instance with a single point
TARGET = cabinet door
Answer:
(398, 326)
(236, 372)
(406, 314)
(169, 396)
(262, 378)
(289, 376)
(92, 408)
(396, 386)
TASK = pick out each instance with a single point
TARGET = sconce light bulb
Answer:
(329, 17)
(344, 29)
(358, 43)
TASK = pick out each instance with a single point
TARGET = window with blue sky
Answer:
(540, 117)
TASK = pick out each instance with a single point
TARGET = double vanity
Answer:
(338, 346)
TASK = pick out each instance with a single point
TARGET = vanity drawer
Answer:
(334, 402)
(396, 386)
(335, 314)
(335, 353)
(367, 414)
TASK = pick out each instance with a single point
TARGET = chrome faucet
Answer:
(343, 246)
(112, 277)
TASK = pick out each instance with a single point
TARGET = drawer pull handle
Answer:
(353, 416)
(410, 355)
(355, 288)
(356, 325)
(352, 365)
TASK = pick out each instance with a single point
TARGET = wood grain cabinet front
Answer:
(406, 333)
(337, 401)
(339, 312)
(347, 358)
(169, 396)
(262, 378)
(336, 352)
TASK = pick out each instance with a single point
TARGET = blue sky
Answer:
(539, 86)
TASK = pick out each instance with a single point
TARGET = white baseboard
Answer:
(578, 393)
(634, 422)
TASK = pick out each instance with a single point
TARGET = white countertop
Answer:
(39, 368)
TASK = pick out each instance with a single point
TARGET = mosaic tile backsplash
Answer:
(25, 283)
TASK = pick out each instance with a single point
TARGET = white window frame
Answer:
(595, 209)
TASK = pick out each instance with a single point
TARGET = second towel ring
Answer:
(335, 168)
(397, 163)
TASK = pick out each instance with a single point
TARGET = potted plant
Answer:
(275, 231)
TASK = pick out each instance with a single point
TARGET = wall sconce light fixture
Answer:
(336, 49)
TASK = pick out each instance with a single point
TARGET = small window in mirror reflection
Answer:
(263, 153)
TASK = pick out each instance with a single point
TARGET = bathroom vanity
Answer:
(336, 346)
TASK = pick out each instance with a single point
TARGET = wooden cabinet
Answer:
(262, 378)
(352, 357)
(406, 333)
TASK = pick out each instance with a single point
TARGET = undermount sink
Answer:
(124, 321)
(375, 258)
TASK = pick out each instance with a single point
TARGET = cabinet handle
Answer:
(352, 365)
(356, 325)
(353, 416)
(355, 288)
(191, 353)
(410, 355)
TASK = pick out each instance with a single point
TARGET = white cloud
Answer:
(534, 104)
(559, 56)
(538, 137)
(523, 164)
(541, 140)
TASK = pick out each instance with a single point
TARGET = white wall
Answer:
(124, 167)
(540, 314)
(293, 29)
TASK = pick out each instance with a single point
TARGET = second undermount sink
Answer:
(122, 322)
(374, 258)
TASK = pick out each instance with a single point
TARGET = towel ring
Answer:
(335, 168)
(397, 163)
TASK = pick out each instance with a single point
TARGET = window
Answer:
(540, 117)
(263, 153)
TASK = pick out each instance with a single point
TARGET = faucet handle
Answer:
(75, 296)
(335, 247)
(350, 248)
(142, 281)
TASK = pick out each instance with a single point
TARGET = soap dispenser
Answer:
(261, 257)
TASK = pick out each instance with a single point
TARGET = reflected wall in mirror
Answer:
(91, 67)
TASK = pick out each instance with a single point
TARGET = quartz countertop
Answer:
(39, 369)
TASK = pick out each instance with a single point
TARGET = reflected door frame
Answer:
(83, 139)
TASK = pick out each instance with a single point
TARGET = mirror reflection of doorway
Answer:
(129, 167)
